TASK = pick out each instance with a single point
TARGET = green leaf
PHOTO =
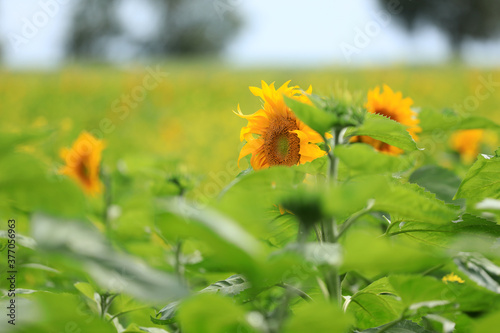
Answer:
(26, 185)
(231, 286)
(372, 253)
(481, 270)
(232, 247)
(448, 120)
(361, 158)
(470, 227)
(438, 180)
(318, 317)
(409, 202)
(487, 323)
(315, 167)
(45, 312)
(212, 313)
(481, 181)
(405, 326)
(251, 200)
(415, 290)
(425, 294)
(9, 141)
(374, 305)
(84, 248)
(385, 130)
(319, 120)
(86, 289)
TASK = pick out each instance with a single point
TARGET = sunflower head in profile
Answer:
(466, 143)
(82, 162)
(274, 135)
(393, 106)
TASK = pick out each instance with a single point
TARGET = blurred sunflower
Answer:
(466, 143)
(452, 277)
(82, 162)
(391, 105)
(282, 139)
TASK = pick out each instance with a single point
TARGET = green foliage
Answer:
(323, 316)
(363, 159)
(448, 120)
(385, 130)
(481, 181)
(354, 241)
(438, 180)
(319, 120)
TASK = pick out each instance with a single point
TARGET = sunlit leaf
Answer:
(385, 130)
(319, 120)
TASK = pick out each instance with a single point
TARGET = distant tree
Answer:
(458, 19)
(94, 23)
(182, 27)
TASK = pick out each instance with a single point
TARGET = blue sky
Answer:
(277, 32)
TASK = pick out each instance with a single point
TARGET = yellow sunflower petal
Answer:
(249, 148)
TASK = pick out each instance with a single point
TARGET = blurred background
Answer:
(161, 77)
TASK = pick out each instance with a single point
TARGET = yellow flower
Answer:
(452, 278)
(466, 143)
(282, 139)
(391, 105)
(82, 162)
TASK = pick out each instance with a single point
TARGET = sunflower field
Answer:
(174, 198)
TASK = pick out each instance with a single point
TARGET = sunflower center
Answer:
(282, 147)
(385, 113)
(83, 171)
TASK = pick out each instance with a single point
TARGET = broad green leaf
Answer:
(426, 294)
(405, 326)
(415, 289)
(134, 328)
(232, 286)
(409, 202)
(375, 305)
(372, 253)
(488, 323)
(212, 313)
(385, 130)
(440, 181)
(9, 141)
(319, 120)
(233, 246)
(481, 270)
(86, 289)
(481, 181)
(360, 158)
(45, 312)
(351, 196)
(448, 120)
(489, 206)
(445, 235)
(318, 316)
(84, 248)
(27, 185)
(315, 167)
(254, 199)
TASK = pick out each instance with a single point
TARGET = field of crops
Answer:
(166, 233)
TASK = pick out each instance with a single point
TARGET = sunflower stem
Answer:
(107, 198)
(332, 277)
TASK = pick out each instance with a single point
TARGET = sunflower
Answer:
(82, 162)
(274, 135)
(466, 143)
(391, 105)
(452, 277)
